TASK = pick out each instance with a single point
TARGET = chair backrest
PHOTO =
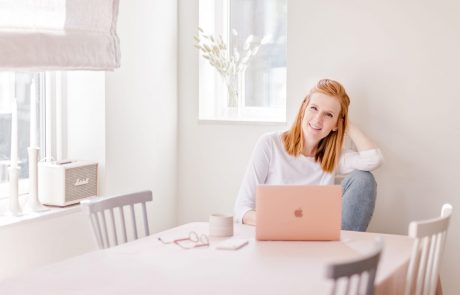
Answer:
(364, 269)
(98, 207)
(430, 237)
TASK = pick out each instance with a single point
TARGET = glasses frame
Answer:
(197, 240)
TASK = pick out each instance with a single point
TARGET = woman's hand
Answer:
(250, 217)
(359, 139)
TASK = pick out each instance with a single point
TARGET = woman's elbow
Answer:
(376, 162)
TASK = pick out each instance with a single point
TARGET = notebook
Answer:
(298, 212)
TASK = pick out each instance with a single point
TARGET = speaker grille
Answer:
(80, 182)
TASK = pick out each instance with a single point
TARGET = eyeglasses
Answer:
(192, 241)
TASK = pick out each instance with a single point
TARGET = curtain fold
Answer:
(59, 35)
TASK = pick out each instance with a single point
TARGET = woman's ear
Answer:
(339, 123)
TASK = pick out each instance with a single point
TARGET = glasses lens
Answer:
(193, 237)
(204, 239)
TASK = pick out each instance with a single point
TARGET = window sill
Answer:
(247, 115)
(7, 220)
(240, 122)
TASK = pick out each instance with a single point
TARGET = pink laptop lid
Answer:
(298, 212)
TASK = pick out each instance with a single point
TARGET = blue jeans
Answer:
(358, 202)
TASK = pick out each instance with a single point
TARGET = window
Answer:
(261, 82)
(25, 87)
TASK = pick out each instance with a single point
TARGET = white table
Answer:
(146, 266)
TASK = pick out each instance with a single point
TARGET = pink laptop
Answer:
(298, 212)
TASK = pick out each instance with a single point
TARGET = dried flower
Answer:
(228, 63)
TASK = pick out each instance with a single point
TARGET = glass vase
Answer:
(235, 90)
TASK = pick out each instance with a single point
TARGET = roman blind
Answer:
(59, 35)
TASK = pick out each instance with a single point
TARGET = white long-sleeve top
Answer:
(271, 164)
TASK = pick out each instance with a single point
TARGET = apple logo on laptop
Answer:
(298, 213)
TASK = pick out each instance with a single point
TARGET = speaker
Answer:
(66, 182)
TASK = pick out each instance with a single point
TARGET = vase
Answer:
(14, 207)
(235, 90)
(232, 91)
(33, 204)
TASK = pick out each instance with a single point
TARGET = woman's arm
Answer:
(361, 141)
(367, 158)
(256, 173)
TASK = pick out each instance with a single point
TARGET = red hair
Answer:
(329, 148)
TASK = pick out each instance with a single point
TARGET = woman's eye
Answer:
(330, 115)
(313, 108)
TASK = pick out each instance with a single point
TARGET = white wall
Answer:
(85, 138)
(399, 62)
(212, 156)
(141, 108)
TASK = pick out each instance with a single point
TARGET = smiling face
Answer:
(320, 117)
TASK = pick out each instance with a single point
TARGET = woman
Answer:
(310, 152)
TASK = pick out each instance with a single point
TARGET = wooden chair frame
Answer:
(96, 207)
(358, 267)
(430, 236)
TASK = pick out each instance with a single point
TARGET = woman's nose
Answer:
(318, 118)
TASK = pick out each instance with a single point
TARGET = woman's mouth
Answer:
(316, 128)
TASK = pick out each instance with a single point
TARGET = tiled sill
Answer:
(7, 220)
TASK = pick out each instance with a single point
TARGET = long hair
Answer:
(329, 148)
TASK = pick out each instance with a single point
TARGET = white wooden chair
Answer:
(97, 208)
(364, 269)
(430, 237)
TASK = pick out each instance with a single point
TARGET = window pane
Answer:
(17, 85)
(265, 77)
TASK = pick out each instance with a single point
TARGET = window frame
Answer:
(51, 92)
(213, 94)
